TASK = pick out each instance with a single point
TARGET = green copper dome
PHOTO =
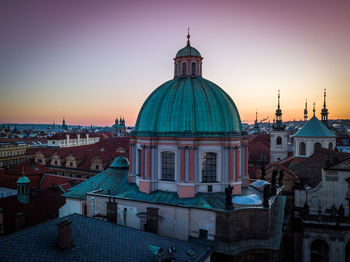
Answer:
(188, 107)
(23, 180)
(188, 51)
(120, 162)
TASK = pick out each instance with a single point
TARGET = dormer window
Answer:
(193, 70)
(184, 68)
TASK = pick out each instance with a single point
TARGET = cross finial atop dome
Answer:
(313, 110)
(188, 36)
(278, 99)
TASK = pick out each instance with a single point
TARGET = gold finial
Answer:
(324, 96)
(188, 36)
(314, 108)
(278, 99)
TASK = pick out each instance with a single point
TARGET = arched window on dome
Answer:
(317, 146)
(176, 69)
(209, 167)
(193, 69)
(330, 146)
(168, 166)
(184, 68)
(279, 140)
(302, 149)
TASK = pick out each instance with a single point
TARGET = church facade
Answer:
(187, 176)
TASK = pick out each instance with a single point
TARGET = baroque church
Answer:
(186, 176)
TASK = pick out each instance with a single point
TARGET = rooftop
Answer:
(93, 240)
(115, 182)
(314, 128)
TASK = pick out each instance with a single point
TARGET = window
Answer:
(184, 69)
(97, 167)
(209, 167)
(279, 140)
(193, 68)
(39, 160)
(330, 146)
(70, 164)
(56, 162)
(152, 220)
(319, 251)
(168, 166)
(53, 142)
(317, 146)
(203, 234)
(302, 149)
(176, 69)
(138, 173)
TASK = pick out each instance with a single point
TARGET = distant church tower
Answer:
(305, 111)
(324, 111)
(278, 137)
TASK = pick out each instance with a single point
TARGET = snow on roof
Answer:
(249, 200)
(259, 184)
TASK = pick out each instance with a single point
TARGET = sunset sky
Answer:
(91, 61)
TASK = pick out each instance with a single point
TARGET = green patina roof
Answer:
(115, 182)
(188, 106)
(23, 180)
(188, 51)
(120, 162)
(314, 128)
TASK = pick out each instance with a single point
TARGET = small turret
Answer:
(23, 189)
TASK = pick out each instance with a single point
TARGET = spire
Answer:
(256, 125)
(305, 111)
(313, 110)
(279, 125)
(324, 111)
(188, 36)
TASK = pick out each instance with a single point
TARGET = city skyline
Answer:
(93, 62)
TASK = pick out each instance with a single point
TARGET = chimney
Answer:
(64, 234)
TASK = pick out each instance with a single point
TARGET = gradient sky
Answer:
(91, 61)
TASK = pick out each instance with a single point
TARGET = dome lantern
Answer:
(188, 60)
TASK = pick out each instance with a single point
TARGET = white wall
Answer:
(310, 142)
(72, 206)
(176, 222)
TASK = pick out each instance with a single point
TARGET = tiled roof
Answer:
(106, 149)
(314, 128)
(309, 170)
(28, 168)
(93, 240)
(64, 183)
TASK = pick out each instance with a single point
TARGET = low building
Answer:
(323, 213)
(12, 152)
(82, 161)
(72, 139)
